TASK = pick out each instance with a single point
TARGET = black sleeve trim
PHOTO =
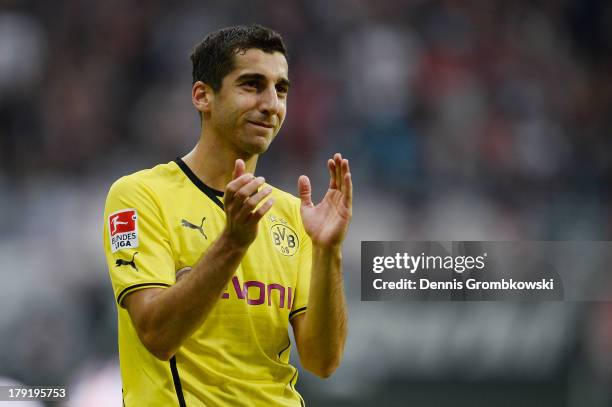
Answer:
(285, 348)
(292, 386)
(178, 388)
(131, 288)
(297, 311)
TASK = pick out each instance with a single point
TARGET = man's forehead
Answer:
(272, 65)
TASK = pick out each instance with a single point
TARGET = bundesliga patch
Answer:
(123, 230)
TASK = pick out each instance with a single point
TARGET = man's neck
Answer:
(213, 162)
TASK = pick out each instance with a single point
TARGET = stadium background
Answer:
(463, 120)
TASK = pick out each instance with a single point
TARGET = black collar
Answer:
(213, 194)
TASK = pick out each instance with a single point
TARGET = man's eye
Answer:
(251, 84)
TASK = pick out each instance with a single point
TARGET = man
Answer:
(209, 264)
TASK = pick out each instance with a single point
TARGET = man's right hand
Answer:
(240, 200)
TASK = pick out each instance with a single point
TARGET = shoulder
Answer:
(145, 180)
(142, 189)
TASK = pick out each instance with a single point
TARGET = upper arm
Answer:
(136, 239)
(297, 323)
(137, 304)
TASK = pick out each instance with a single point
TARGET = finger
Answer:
(305, 190)
(344, 169)
(239, 168)
(246, 208)
(259, 213)
(235, 185)
(256, 198)
(332, 173)
(338, 164)
(249, 189)
(348, 190)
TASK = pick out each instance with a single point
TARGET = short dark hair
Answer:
(213, 58)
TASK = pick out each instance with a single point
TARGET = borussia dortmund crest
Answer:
(284, 238)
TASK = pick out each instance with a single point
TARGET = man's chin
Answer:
(256, 143)
(257, 146)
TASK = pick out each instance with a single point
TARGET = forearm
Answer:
(325, 323)
(175, 313)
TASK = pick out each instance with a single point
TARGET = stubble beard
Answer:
(255, 144)
(236, 133)
(246, 143)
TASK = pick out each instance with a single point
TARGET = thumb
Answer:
(304, 190)
(239, 168)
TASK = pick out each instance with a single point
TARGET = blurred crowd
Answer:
(463, 120)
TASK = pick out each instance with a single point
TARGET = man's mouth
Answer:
(261, 124)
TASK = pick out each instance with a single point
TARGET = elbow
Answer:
(322, 361)
(324, 373)
(156, 348)
(323, 368)
(162, 355)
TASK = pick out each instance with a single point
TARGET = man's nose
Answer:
(269, 102)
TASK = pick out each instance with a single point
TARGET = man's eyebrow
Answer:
(259, 77)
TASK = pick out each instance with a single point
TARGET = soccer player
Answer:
(209, 263)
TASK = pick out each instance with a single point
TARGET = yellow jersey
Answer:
(161, 220)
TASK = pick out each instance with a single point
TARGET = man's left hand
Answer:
(327, 222)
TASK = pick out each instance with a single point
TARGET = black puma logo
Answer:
(121, 262)
(190, 225)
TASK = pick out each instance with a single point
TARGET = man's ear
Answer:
(202, 96)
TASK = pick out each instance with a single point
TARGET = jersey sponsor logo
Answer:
(132, 263)
(123, 229)
(256, 292)
(190, 225)
(284, 238)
